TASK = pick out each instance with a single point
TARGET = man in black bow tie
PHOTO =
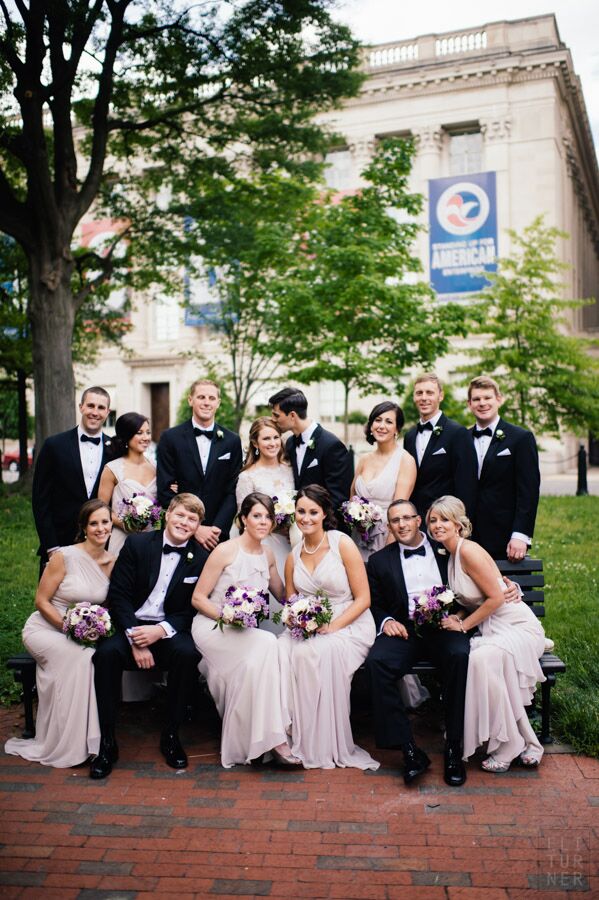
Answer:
(150, 603)
(508, 476)
(203, 458)
(67, 473)
(397, 574)
(442, 449)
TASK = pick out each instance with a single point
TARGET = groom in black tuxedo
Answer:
(508, 476)
(150, 604)
(317, 456)
(203, 458)
(67, 473)
(442, 448)
(396, 575)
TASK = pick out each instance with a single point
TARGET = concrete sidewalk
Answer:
(268, 832)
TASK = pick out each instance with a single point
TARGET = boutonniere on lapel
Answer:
(311, 444)
(499, 434)
(442, 551)
(219, 434)
(188, 557)
(107, 443)
(437, 430)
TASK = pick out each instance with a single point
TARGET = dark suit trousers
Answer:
(177, 655)
(391, 658)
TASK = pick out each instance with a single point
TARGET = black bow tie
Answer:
(428, 426)
(168, 548)
(298, 440)
(207, 434)
(482, 432)
(419, 551)
(85, 437)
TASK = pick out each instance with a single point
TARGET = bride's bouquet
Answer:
(363, 515)
(139, 511)
(303, 614)
(432, 606)
(285, 509)
(86, 623)
(244, 607)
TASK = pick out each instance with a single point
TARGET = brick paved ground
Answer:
(149, 832)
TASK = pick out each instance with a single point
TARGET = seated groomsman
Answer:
(508, 476)
(203, 458)
(150, 603)
(67, 473)
(316, 456)
(445, 457)
(397, 574)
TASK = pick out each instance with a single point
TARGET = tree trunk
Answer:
(52, 316)
(23, 423)
(346, 414)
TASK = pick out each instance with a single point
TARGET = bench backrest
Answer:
(528, 573)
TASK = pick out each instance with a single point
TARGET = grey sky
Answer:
(379, 21)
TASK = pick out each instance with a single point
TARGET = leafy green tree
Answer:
(352, 310)
(118, 105)
(549, 377)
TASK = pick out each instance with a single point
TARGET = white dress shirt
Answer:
(153, 608)
(423, 437)
(203, 443)
(481, 445)
(91, 458)
(300, 450)
(420, 573)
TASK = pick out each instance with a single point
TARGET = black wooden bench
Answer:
(528, 573)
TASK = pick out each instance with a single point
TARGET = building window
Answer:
(167, 314)
(338, 170)
(465, 153)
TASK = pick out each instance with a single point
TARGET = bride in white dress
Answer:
(386, 474)
(266, 471)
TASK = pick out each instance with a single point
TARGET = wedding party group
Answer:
(278, 573)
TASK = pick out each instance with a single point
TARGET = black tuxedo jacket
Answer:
(449, 466)
(135, 573)
(58, 490)
(388, 594)
(508, 489)
(178, 460)
(328, 464)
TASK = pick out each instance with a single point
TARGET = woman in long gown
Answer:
(265, 470)
(504, 668)
(241, 665)
(317, 672)
(67, 726)
(129, 474)
(387, 473)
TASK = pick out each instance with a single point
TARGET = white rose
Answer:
(285, 615)
(311, 625)
(247, 607)
(422, 601)
(142, 504)
(446, 598)
(300, 606)
(228, 614)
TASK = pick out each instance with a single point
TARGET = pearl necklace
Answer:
(316, 549)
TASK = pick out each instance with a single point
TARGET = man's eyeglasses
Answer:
(399, 519)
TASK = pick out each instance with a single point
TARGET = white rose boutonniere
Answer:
(219, 435)
(437, 430)
(189, 557)
(311, 444)
(500, 435)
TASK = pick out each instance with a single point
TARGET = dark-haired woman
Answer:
(129, 473)
(241, 665)
(67, 727)
(317, 672)
(386, 473)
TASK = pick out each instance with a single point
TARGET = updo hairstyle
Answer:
(85, 513)
(322, 498)
(378, 410)
(249, 502)
(453, 509)
(126, 426)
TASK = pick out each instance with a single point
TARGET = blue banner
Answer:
(463, 232)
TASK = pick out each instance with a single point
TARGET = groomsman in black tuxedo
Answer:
(316, 456)
(397, 574)
(67, 473)
(445, 457)
(150, 603)
(508, 476)
(203, 458)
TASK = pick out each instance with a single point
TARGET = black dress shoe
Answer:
(108, 754)
(173, 752)
(455, 770)
(416, 762)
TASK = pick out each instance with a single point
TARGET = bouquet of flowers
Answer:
(285, 509)
(86, 623)
(244, 607)
(139, 511)
(304, 614)
(364, 516)
(432, 606)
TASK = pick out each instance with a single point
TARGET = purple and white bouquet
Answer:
(304, 614)
(285, 509)
(364, 516)
(244, 607)
(139, 511)
(86, 623)
(432, 606)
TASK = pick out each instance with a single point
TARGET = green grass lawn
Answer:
(567, 539)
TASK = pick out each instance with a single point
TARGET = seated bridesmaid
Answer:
(241, 665)
(67, 727)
